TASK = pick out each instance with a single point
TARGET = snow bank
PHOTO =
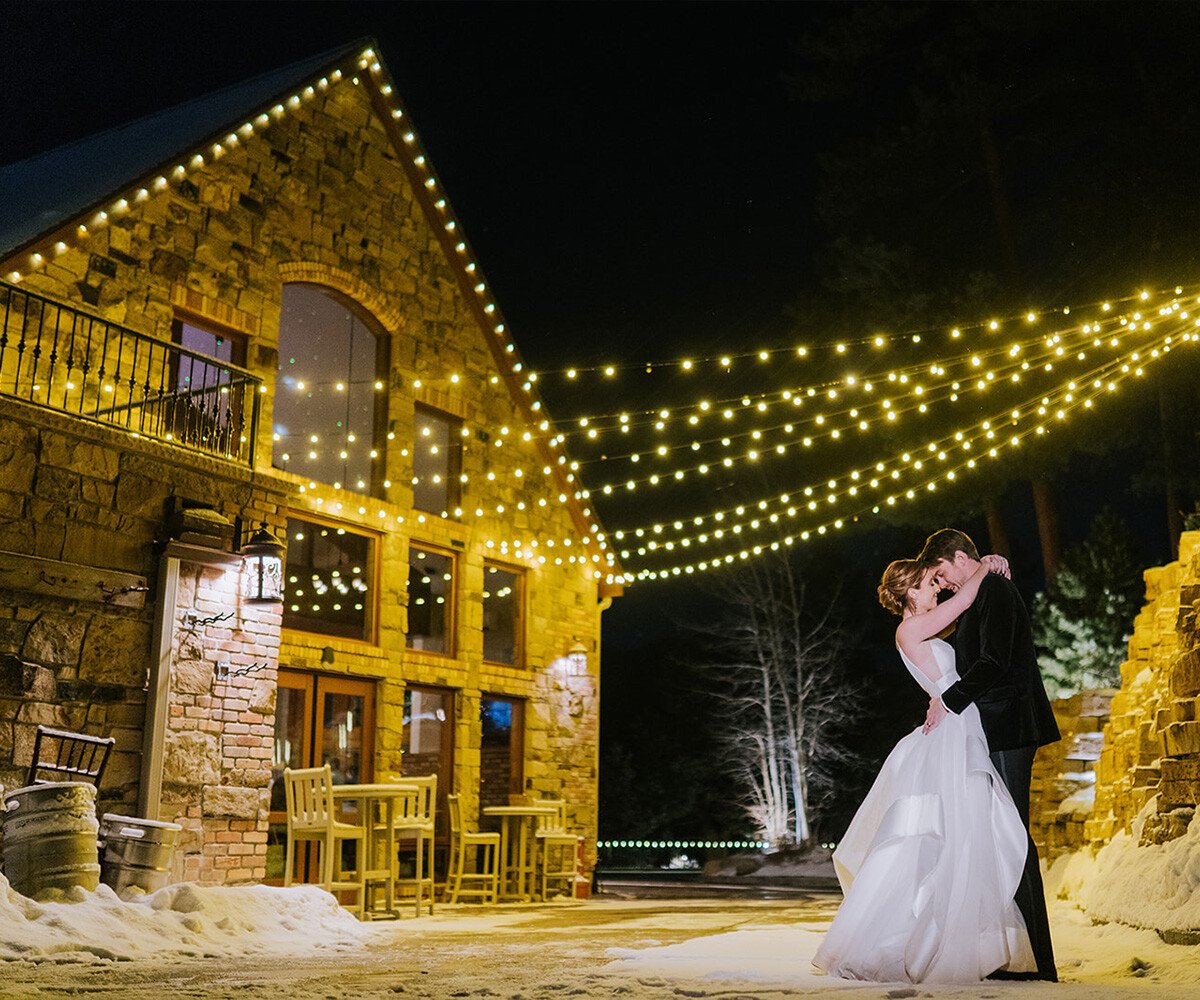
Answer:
(1157, 886)
(184, 919)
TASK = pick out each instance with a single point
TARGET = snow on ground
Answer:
(609, 949)
(1154, 886)
(183, 919)
(780, 956)
(260, 942)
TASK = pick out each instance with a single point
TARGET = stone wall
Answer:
(1151, 747)
(324, 193)
(87, 511)
(1063, 788)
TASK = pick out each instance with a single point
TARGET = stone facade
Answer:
(1152, 741)
(1063, 787)
(324, 192)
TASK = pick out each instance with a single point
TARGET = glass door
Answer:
(318, 720)
(428, 743)
(502, 750)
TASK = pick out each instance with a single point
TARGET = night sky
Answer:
(651, 181)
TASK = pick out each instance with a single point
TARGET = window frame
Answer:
(451, 651)
(375, 560)
(383, 362)
(519, 618)
(449, 749)
(454, 466)
(516, 749)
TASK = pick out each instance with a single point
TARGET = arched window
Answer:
(330, 408)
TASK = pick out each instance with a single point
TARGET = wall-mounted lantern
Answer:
(263, 566)
(577, 656)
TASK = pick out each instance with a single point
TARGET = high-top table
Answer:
(384, 795)
(518, 847)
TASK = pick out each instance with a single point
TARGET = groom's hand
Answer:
(937, 712)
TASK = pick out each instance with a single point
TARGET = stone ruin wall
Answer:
(1146, 745)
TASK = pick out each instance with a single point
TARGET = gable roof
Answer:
(44, 191)
(42, 195)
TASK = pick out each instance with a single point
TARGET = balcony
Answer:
(62, 359)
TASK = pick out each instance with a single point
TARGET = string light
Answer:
(59, 242)
(1050, 412)
(836, 425)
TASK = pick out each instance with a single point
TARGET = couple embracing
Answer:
(940, 876)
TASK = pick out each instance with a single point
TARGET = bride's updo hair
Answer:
(900, 577)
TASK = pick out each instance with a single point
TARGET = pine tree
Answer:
(1083, 620)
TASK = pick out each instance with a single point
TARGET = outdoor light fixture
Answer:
(263, 555)
(577, 656)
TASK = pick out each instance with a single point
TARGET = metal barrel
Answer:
(137, 852)
(50, 837)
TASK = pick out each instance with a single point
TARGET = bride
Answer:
(931, 861)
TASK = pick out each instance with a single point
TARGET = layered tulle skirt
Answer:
(929, 867)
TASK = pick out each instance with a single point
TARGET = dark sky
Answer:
(627, 174)
(640, 182)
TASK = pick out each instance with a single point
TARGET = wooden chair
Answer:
(413, 828)
(487, 871)
(311, 817)
(68, 756)
(558, 849)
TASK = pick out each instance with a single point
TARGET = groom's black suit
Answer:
(998, 672)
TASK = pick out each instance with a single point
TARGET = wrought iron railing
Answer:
(61, 358)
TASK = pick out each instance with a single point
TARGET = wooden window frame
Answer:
(383, 355)
(451, 651)
(449, 748)
(376, 563)
(519, 618)
(454, 459)
(516, 762)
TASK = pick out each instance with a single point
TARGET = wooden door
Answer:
(319, 720)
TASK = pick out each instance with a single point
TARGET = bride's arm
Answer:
(918, 628)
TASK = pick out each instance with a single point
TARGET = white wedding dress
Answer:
(931, 861)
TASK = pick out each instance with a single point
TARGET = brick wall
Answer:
(220, 727)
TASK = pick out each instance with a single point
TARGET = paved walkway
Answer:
(541, 953)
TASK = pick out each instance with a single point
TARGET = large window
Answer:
(430, 599)
(428, 740)
(502, 615)
(437, 461)
(330, 406)
(329, 579)
(204, 402)
(501, 750)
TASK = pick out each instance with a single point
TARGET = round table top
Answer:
(381, 788)
(519, 810)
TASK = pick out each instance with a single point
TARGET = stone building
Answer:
(259, 310)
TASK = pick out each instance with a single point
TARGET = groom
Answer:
(998, 671)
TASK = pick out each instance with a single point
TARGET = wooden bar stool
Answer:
(413, 827)
(559, 849)
(311, 817)
(487, 871)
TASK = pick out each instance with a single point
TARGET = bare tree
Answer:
(781, 671)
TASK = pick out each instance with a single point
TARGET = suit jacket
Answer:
(998, 671)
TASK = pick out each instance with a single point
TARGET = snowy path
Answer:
(606, 948)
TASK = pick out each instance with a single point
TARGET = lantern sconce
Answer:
(577, 656)
(262, 556)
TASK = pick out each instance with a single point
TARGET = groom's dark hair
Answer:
(943, 544)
